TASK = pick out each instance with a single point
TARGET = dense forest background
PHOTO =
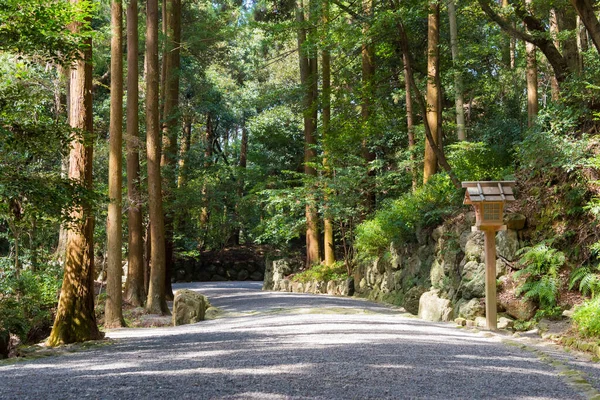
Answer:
(328, 128)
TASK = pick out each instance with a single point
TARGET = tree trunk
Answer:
(433, 90)
(184, 148)
(532, 82)
(554, 88)
(134, 286)
(458, 84)
(328, 239)
(585, 9)
(171, 62)
(75, 319)
(240, 184)
(582, 41)
(366, 108)
(113, 312)
(308, 78)
(567, 22)
(156, 302)
(410, 123)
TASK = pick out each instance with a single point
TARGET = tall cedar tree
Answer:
(433, 91)
(134, 286)
(156, 302)
(113, 312)
(171, 63)
(308, 79)
(75, 319)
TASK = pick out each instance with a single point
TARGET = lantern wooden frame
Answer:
(488, 198)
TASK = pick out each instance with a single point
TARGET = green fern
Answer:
(542, 264)
(588, 278)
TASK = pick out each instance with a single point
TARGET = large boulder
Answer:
(470, 309)
(507, 244)
(189, 307)
(277, 270)
(473, 280)
(517, 307)
(434, 308)
(515, 221)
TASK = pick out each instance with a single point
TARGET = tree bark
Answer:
(75, 319)
(368, 74)
(328, 239)
(184, 148)
(582, 41)
(532, 82)
(553, 22)
(113, 317)
(409, 122)
(171, 57)
(308, 78)
(134, 286)
(156, 302)
(433, 91)
(240, 184)
(585, 9)
(458, 83)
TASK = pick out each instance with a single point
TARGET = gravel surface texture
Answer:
(291, 346)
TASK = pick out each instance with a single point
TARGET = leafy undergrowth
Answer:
(135, 317)
(321, 272)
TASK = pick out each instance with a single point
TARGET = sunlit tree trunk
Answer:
(134, 286)
(433, 90)
(156, 302)
(308, 78)
(75, 320)
(410, 122)
(582, 41)
(240, 184)
(554, 88)
(458, 83)
(113, 311)
(328, 239)
(532, 82)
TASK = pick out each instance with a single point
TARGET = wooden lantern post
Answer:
(488, 198)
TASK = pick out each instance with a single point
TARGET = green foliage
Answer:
(588, 278)
(542, 264)
(587, 318)
(322, 273)
(27, 300)
(398, 220)
(476, 161)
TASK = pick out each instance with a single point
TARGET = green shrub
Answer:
(321, 272)
(27, 301)
(542, 264)
(587, 318)
(475, 161)
(398, 220)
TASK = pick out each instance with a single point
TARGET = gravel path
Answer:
(291, 346)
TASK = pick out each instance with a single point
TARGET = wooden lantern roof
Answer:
(489, 191)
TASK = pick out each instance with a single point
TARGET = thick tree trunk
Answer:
(433, 91)
(113, 311)
(585, 9)
(171, 64)
(75, 319)
(328, 239)
(134, 286)
(458, 83)
(156, 302)
(567, 23)
(308, 78)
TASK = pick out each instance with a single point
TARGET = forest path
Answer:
(293, 346)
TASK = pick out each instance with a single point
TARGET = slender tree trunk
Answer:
(240, 191)
(328, 239)
(134, 286)
(458, 84)
(532, 82)
(184, 148)
(208, 152)
(512, 44)
(156, 302)
(75, 319)
(554, 88)
(582, 41)
(410, 123)
(308, 78)
(114, 230)
(433, 90)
